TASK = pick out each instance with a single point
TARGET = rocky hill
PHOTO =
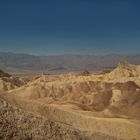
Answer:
(17, 124)
(4, 74)
(82, 105)
(125, 70)
(8, 82)
(92, 92)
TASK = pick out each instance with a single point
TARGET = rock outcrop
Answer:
(8, 82)
(4, 74)
(125, 70)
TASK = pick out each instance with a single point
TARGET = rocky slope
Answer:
(8, 82)
(4, 74)
(125, 71)
(95, 106)
(116, 91)
(16, 124)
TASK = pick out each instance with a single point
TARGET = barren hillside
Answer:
(8, 82)
(104, 105)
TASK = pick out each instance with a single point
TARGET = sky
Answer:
(46, 27)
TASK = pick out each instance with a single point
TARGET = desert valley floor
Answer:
(72, 106)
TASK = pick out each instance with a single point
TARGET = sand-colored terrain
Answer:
(8, 82)
(102, 106)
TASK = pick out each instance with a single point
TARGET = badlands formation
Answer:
(73, 106)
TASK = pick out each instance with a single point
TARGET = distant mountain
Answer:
(13, 62)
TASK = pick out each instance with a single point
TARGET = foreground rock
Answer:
(97, 127)
(16, 124)
(105, 106)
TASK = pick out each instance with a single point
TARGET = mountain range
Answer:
(18, 63)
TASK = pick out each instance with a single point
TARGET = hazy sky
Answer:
(70, 26)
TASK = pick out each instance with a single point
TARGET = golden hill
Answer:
(106, 103)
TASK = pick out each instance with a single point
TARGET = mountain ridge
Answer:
(21, 62)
